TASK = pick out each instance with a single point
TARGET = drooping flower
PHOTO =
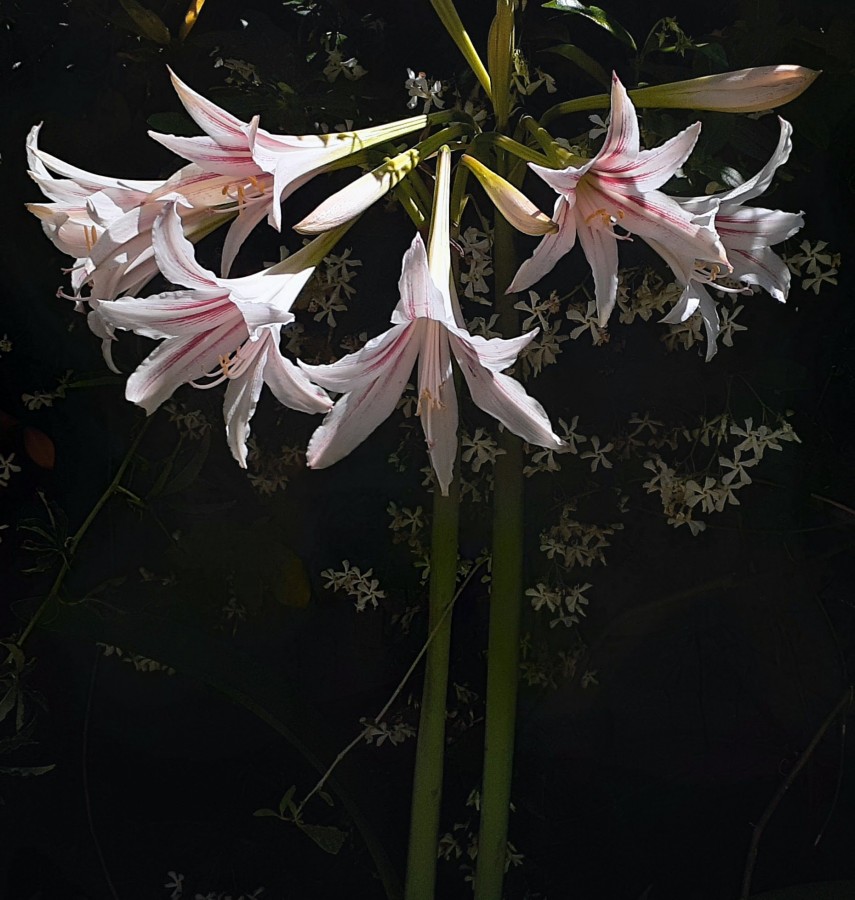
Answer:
(223, 328)
(244, 150)
(747, 234)
(619, 187)
(426, 327)
(105, 223)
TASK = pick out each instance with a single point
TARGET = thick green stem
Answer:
(430, 749)
(505, 608)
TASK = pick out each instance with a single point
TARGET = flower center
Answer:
(245, 189)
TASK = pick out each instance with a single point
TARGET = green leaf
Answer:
(26, 771)
(585, 62)
(16, 655)
(260, 813)
(7, 704)
(328, 838)
(287, 797)
(714, 52)
(188, 475)
(147, 24)
(595, 14)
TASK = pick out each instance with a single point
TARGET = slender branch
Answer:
(836, 504)
(394, 696)
(84, 752)
(840, 707)
(73, 543)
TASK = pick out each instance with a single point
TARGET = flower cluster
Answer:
(214, 329)
(355, 583)
(814, 265)
(739, 447)
(702, 239)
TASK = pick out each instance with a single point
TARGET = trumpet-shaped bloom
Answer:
(244, 150)
(106, 223)
(619, 187)
(425, 327)
(224, 328)
(747, 233)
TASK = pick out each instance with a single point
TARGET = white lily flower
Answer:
(223, 328)
(105, 223)
(244, 150)
(747, 234)
(619, 186)
(426, 327)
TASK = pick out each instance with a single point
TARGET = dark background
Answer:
(718, 657)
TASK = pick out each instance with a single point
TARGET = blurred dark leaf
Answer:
(39, 447)
(147, 23)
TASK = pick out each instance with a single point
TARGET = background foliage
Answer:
(716, 657)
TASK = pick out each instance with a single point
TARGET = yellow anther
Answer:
(602, 214)
(225, 363)
(90, 235)
(430, 401)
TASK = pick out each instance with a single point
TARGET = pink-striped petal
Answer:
(599, 243)
(168, 315)
(266, 298)
(763, 267)
(650, 169)
(622, 137)
(437, 405)
(356, 370)
(180, 360)
(248, 217)
(753, 226)
(209, 155)
(359, 412)
(222, 126)
(495, 354)
(504, 398)
(421, 297)
(550, 249)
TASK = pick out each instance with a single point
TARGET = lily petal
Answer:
(359, 412)
(550, 249)
(174, 253)
(179, 360)
(503, 397)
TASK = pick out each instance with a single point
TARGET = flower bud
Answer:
(746, 90)
(357, 196)
(511, 202)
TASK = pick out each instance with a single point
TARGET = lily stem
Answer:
(505, 609)
(430, 747)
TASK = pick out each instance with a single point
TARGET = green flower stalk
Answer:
(506, 594)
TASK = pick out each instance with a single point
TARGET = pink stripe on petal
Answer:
(178, 361)
(358, 413)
